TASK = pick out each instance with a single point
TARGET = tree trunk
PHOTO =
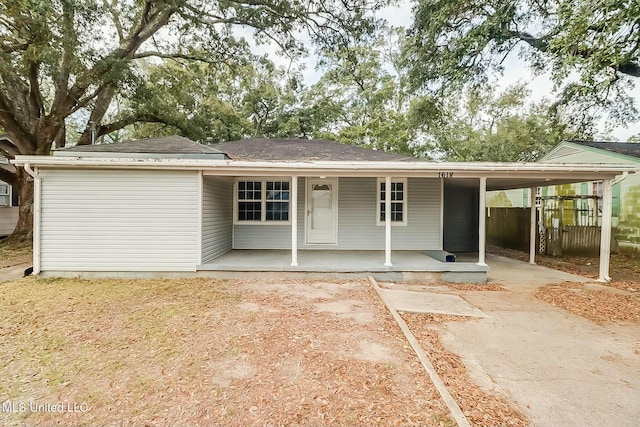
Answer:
(24, 186)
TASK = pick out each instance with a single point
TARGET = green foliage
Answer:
(80, 60)
(482, 125)
(362, 98)
(590, 47)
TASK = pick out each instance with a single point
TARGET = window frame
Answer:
(8, 195)
(263, 200)
(405, 202)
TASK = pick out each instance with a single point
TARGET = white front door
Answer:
(322, 208)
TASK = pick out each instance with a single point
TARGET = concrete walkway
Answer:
(559, 368)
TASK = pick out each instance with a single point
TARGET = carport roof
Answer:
(311, 158)
(500, 176)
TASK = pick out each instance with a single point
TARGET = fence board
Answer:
(581, 239)
(509, 228)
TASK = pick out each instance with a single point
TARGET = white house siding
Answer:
(119, 220)
(357, 229)
(217, 216)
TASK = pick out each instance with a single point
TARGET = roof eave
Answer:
(334, 167)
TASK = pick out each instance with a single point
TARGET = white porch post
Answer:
(387, 222)
(293, 211)
(482, 221)
(532, 231)
(605, 231)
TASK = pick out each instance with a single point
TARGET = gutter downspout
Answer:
(36, 215)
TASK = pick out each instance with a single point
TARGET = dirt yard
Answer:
(203, 352)
(14, 253)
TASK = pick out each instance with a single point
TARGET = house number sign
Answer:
(445, 174)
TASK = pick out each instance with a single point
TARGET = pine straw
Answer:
(204, 352)
(479, 406)
(494, 287)
(598, 305)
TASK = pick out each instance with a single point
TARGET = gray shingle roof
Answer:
(627, 148)
(170, 145)
(271, 149)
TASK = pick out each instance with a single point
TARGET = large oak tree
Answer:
(590, 47)
(69, 60)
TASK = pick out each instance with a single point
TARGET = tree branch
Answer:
(148, 25)
(10, 48)
(17, 133)
(103, 100)
(37, 103)
(122, 123)
(176, 55)
(629, 68)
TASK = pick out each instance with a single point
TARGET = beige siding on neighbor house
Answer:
(119, 220)
(217, 216)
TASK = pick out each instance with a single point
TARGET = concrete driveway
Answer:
(561, 369)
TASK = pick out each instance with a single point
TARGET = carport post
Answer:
(294, 221)
(532, 231)
(482, 221)
(605, 231)
(387, 222)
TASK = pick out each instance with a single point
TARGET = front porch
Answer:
(407, 265)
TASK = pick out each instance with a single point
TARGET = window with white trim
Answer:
(262, 201)
(5, 194)
(398, 195)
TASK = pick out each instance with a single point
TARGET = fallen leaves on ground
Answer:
(206, 352)
(481, 407)
(15, 253)
(598, 305)
(476, 287)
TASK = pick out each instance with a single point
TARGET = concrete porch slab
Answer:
(322, 263)
(427, 302)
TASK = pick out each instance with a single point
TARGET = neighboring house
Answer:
(581, 205)
(172, 206)
(8, 203)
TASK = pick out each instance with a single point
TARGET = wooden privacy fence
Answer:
(509, 228)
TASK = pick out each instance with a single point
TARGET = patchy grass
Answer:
(15, 253)
(204, 352)
(598, 305)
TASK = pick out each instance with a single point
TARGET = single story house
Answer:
(170, 206)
